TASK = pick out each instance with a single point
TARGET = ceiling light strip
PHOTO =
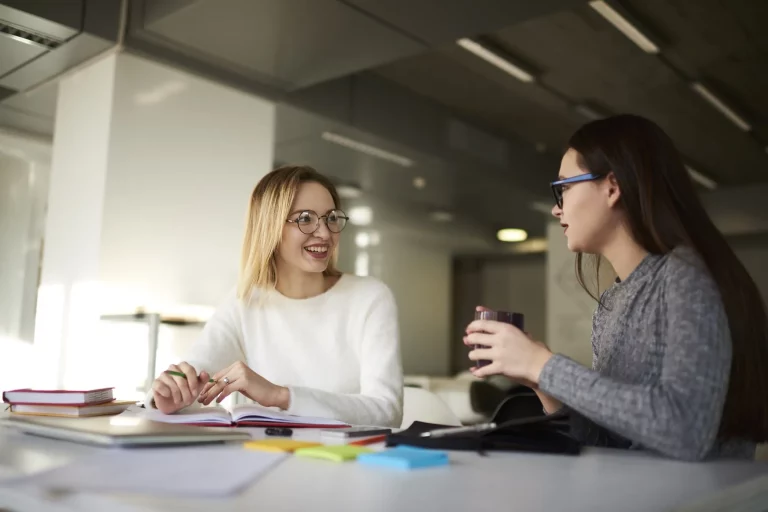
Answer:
(497, 60)
(618, 20)
(724, 109)
(367, 149)
(699, 178)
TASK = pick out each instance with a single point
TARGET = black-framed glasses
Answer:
(558, 187)
(308, 221)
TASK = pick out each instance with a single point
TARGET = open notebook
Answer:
(248, 415)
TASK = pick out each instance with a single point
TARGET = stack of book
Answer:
(70, 404)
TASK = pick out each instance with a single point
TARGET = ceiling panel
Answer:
(475, 196)
(286, 44)
(439, 21)
(580, 57)
(484, 95)
(724, 43)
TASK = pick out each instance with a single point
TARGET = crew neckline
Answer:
(275, 293)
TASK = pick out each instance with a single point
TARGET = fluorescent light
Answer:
(588, 112)
(511, 235)
(367, 149)
(625, 26)
(362, 240)
(348, 191)
(497, 60)
(721, 106)
(699, 178)
(361, 215)
(441, 216)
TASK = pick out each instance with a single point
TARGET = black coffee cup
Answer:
(516, 319)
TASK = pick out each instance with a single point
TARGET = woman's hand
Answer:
(510, 350)
(249, 383)
(173, 393)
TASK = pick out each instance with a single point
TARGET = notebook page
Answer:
(190, 415)
(254, 412)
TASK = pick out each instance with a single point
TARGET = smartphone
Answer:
(346, 433)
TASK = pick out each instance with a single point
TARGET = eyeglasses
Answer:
(558, 187)
(308, 221)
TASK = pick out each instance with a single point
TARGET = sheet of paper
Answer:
(187, 415)
(255, 412)
(211, 471)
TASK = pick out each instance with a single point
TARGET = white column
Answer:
(151, 174)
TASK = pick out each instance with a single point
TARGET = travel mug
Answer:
(516, 319)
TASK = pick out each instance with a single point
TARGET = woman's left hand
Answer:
(241, 378)
(510, 350)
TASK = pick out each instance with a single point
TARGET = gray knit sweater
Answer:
(661, 361)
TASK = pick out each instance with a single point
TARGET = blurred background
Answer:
(132, 133)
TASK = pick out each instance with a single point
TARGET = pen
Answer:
(179, 374)
(440, 432)
(369, 440)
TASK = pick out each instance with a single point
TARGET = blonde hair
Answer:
(268, 209)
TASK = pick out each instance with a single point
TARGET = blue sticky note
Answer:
(405, 457)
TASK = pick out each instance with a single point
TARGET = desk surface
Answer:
(598, 480)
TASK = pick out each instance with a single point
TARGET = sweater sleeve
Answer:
(678, 414)
(380, 401)
(218, 346)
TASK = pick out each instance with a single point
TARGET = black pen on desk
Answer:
(440, 432)
(183, 375)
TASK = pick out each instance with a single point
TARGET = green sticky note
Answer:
(335, 453)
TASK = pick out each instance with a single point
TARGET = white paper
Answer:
(193, 471)
(257, 412)
(188, 415)
(253, 412)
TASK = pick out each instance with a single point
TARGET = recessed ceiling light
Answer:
(511, 235)
(362, 239)
(441, 216)
(349, 191)
(419, 182)
(361, 215)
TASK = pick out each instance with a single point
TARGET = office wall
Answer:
(419, 275)
(517, 284)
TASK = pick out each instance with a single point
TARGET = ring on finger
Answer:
(225, 380)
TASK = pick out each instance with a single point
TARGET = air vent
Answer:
(28, 36)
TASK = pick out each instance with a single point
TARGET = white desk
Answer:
(598, 480)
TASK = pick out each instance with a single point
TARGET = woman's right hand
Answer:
(173, 393)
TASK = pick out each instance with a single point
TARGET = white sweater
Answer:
(338, 353)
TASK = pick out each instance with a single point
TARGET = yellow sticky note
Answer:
(279, 445)
(335, 453)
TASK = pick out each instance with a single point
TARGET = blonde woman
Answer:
(297, 334)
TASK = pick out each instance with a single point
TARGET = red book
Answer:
(58, 397)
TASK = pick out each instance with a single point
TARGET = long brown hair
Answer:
(268, 209)
(663, 211)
